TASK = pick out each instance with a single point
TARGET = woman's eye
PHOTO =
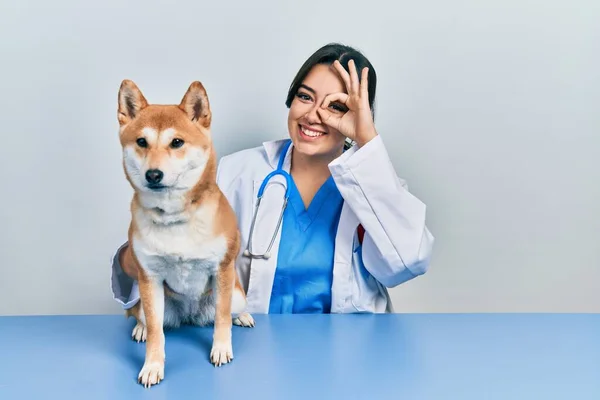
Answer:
(303, 96)
(142, 142)
(176, 143)
(338, 107)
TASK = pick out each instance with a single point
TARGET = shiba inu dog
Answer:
(183, 235)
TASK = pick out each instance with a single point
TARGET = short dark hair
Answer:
(327, 55)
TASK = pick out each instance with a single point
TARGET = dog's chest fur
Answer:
(184, 254)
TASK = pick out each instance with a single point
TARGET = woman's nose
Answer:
(312, 116)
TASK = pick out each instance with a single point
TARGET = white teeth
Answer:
(310, 133)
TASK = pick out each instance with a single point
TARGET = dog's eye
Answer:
(142, 142)
(176, 143)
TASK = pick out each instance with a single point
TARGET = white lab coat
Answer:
(396, 247)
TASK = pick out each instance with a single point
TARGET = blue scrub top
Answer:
(304, 273)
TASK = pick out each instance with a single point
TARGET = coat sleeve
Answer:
(125, 289)
(397, 245)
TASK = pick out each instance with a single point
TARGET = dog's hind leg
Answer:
(238, 306)
(139, 332)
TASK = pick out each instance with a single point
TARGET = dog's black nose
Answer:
(154, 176)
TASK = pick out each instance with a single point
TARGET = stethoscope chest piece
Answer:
(266, 255)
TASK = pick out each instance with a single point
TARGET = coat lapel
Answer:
(262, 271)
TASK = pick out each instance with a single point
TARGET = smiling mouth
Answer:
(310, 133)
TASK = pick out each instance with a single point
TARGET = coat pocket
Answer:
(366, 291)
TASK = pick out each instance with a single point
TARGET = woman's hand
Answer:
(356, 123)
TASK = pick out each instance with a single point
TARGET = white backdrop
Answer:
(489, 109)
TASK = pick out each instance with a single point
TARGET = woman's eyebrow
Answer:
(307, 88)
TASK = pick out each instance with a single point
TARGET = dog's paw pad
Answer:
(221, 353)
(244, 319)
(139, 333)
(151, 374)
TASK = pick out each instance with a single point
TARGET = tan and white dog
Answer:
(183, 236)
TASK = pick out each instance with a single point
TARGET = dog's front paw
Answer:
(221, 353)
(244, 319)
(152, 373)
(139, 332)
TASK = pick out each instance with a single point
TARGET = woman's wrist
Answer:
(364, 138)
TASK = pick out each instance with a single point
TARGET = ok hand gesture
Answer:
(357, 123)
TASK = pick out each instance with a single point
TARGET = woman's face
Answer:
(309, 134)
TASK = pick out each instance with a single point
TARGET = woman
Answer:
(350, 228)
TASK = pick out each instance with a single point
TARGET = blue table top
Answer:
(361, 356)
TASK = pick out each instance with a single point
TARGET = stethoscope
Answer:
(279, 171)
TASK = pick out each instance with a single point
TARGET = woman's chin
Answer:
(316, 148)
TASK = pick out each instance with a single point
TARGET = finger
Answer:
(364, 83)
(353, 77)
(328, 118)
(343, 74)
(335, 97)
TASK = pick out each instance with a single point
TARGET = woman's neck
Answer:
(309, 173)
(317, 165)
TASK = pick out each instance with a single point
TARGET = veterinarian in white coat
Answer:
(350, 228)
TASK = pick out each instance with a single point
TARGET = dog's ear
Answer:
(131, 102)
(196, 106)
